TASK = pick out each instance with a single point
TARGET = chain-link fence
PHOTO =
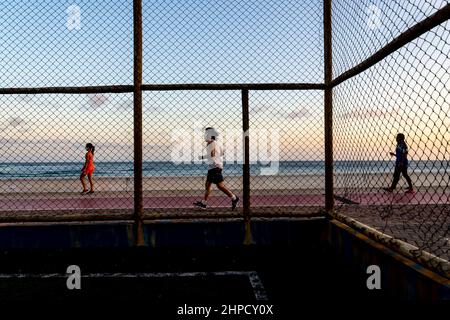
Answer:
(253, 70)
(287, 138)
(405, 93)
(67, 82)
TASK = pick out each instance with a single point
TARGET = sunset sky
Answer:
(218, 42)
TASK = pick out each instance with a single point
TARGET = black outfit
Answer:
(214, 175)
(401, 165)
(401, 169)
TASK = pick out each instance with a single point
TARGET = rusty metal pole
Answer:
(328, 106)
(137, 115)
(246, 167)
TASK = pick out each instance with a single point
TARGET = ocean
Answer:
(167, 168)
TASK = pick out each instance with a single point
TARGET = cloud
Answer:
(367, 113)
(13, 122)
(295, 114)
(299, 113)
(259, 108)
(97, 100)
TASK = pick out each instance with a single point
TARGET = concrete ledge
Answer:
(171, 233)
(401, 278)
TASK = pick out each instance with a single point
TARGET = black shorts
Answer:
(214, 175)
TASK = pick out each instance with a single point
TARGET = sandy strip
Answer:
(191, 185)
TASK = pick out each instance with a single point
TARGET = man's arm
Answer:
(212, 153)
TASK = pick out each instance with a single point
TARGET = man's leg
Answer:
(208, 187)
(408, 179)
(396, 178)
(224, 189)
(233, 197)
(203, 203)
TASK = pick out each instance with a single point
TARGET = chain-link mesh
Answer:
(174, 126)
(43, 136)
(43, 151)
(56, 43)
(360, 28)
(406, 93)
(233, 41)
(287, 150)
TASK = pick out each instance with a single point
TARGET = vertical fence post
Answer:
(328, 106)
(137, 115)
(246, 167)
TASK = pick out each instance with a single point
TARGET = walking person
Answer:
(88, 169)
(401, 164)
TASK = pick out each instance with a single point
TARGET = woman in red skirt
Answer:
(88, 169)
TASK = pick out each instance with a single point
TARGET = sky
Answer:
(203, 41)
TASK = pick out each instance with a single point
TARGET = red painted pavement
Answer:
(101, 202)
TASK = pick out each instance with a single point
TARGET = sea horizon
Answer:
(158, 168)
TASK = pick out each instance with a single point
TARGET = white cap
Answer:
(211, 132)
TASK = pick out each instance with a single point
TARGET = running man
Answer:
(401, 164)
(214, 155)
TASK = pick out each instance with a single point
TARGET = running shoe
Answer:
(234, 203)
(200, 204)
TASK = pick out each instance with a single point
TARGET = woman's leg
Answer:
(82, 181)
(91, 182)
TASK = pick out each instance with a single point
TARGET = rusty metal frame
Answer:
(138, 87)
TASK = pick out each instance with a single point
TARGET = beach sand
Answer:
(310, 183)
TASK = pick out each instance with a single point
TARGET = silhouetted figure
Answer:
(401, 164)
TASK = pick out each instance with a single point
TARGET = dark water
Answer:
(159, 169)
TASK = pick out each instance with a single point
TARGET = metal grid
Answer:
(361, 28)
(232, 41)
(407, 92)
(56, 43)
(174, 176)
(287, 149)
(101, 72)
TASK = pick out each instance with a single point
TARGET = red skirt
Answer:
(90, 170)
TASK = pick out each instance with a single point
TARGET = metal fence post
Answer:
(246, 167)
(137, 115)
(328, 106)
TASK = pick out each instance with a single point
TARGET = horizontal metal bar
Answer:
(233, 86)
(409, 35)
(164, 87)
(69, 90)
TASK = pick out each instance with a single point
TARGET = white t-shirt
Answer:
(217, 160)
